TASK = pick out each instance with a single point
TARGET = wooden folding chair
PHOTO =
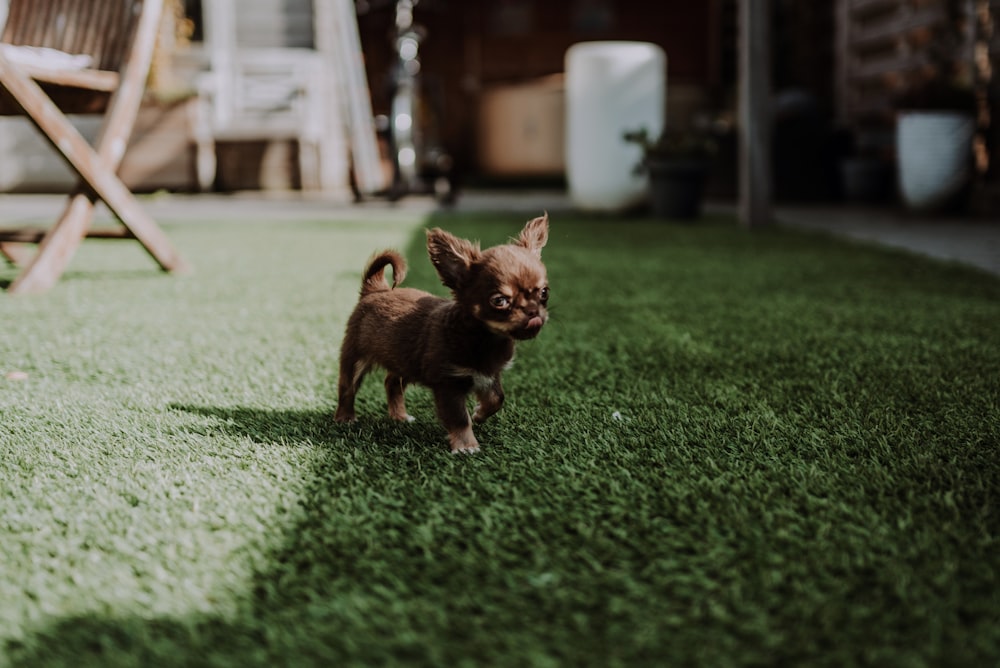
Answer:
(117, 37)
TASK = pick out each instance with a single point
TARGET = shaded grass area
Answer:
(724, 449)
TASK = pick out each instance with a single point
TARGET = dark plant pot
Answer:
(676, 187)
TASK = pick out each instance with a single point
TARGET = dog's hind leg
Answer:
(352, 372)
(395, 388)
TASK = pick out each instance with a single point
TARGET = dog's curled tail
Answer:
(374, 280)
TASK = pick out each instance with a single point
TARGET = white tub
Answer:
(611, 88)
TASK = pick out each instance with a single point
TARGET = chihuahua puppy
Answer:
(453, 346)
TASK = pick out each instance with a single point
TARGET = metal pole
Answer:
(755, 113)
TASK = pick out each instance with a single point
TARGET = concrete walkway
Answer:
(975, 242)
(970, 241)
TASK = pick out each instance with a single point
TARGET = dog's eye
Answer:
(500, 301)
(544, 295)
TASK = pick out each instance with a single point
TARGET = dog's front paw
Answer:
(463, 442)
(344, 416)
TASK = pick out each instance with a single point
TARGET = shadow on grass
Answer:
(104, 641)
(373, 432)
(326, 587)
(278, 427)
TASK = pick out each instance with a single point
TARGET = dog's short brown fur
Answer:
(453, 346)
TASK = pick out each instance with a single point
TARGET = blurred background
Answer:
(265, 94)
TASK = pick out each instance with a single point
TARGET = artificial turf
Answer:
(725, 448)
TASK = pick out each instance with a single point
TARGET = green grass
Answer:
(724, 449)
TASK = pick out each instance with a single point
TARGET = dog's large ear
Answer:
(535, 234)
(451, 256)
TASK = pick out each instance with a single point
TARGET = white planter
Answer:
(934, 149)
(611, 88)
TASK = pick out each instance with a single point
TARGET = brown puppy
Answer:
(453, 346)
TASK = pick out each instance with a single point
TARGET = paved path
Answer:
(970, 241)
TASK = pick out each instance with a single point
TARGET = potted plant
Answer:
(678, 165)
(936, 122)
(866, 170)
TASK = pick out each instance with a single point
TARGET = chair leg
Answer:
(63, 239)
(15, 253)
(57, 248)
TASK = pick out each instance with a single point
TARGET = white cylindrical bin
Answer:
(935, 156)
(611, 88)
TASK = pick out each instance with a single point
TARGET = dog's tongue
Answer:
(534, 323)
